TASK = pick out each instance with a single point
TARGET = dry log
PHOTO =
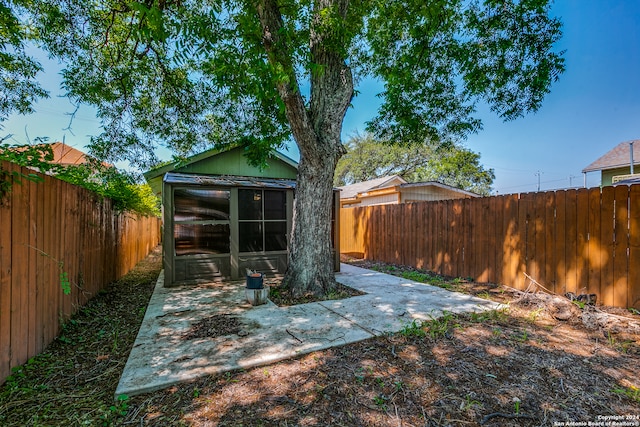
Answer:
(558, 307)
(626, 328)
(581, 307)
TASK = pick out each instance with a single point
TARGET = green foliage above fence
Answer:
(105, 180)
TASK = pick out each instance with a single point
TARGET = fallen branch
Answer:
(295, 337)
(627, 318)
(538, 284)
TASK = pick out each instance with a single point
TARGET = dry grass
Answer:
(454, 371)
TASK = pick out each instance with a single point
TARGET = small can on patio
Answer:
(257, 296)
(255, 281)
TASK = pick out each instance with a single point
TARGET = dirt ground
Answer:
(512, 367)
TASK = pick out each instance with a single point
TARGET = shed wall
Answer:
(607, 175)
(429, 194)
(231, 162)
(384, 199)
(202, 267)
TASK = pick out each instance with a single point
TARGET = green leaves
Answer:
(104, 180)
(19, 88)
(64, 281)
(509, 55)
(438, 59)
(187, 75)
(458, 167)
(119, 186)
(150, 22)
(367, 158)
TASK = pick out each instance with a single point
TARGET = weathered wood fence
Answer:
(53, 232)
(583, 241)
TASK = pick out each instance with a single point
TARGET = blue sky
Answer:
(594, 106)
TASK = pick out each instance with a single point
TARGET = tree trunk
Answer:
(310, 256)
(317, 132)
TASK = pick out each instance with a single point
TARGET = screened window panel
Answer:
(193, 239)
(275, 236)
(201, 205)
(250, 204)
(250, 237)
(275, 204)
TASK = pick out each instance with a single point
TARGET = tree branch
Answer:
(284, 73)
(332, 84)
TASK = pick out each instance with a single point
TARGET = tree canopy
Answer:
(190, 73)
(19, 87)
(187, 74)
(367, 158)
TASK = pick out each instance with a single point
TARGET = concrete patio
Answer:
(162, 356)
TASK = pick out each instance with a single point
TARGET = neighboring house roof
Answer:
(352, 190)
(395, 183)
(64, 154)
(618, 157)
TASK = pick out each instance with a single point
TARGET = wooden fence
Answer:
(53, 232)
(582, 241)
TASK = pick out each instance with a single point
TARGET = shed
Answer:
(218, 224)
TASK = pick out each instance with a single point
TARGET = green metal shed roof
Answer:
(175, 178)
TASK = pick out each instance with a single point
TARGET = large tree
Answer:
(458, 167)
(367, 158)
(187, 73)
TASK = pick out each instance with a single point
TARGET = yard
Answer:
(513, 367)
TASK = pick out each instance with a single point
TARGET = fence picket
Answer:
(495, 256)
(582, 243)
(594, 242)
(550, 238)
(50, 277)
(620, 254)
(571, 239)
(5, 283)
(429, 213)
(447, 237)
(561, 242)
(40, 271)
(419, 239)
(607, 239)
(483, 243)
(438, 232)
(538, 228)
(465, 269)
(19, 271)
(457, 240)
(507, 245)
(634, 248)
